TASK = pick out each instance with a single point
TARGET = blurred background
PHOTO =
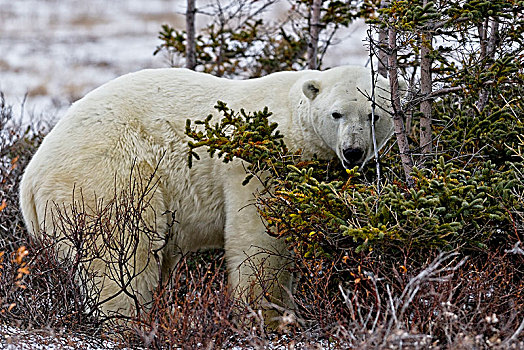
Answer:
(52, 52)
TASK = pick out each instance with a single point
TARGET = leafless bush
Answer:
(192, 310)
(16, 148)
(105, 241)
(36, 289)
(448, 303)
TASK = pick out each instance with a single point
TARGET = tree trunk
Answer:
(426, 83)
(488, 43)
(398, 115)
(190, 30)
(314, 29)
(382, 55)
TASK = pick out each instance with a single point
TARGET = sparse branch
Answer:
(373, 104)
(445, 91)
(433, 26)
(327, 44)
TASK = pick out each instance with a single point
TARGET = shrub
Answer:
(346, 233)
(449, 207)
(36, 289)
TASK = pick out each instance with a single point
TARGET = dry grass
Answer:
(87, 21)
(176, 20)
(39, 90)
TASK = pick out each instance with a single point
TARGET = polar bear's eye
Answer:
(336, 115)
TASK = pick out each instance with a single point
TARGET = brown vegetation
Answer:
(445, 301)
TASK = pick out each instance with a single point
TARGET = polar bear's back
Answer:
(147, 94)
(129, 113)
(175, 95)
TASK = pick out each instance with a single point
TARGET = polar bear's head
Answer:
(340, 112)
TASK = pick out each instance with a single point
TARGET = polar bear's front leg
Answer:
(258, 268)
(258, 264)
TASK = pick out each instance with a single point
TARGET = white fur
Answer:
(140, 119)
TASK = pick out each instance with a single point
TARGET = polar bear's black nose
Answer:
(353, 155)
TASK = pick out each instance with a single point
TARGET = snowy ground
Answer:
(56, 51)
(12, 338)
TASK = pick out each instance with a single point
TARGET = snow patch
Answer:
(12, 338)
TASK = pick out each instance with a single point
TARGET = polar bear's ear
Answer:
(311, 88)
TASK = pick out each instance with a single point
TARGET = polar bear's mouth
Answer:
(352, 157)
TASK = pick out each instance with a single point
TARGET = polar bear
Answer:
(130, 133)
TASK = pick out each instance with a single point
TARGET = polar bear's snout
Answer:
(352, 156)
